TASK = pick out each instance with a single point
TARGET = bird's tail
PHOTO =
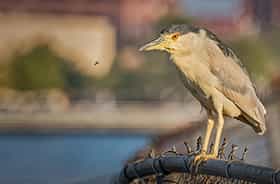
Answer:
(255, 118)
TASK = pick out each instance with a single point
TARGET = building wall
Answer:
(276, 12)
(240, 23)
(138, 16)
(82, 40)
(131, 17)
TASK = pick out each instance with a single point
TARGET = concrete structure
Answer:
(82, 40)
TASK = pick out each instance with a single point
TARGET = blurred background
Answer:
(77, 98)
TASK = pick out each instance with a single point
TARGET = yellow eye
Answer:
(175, 36)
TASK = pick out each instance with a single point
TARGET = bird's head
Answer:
(173, 39)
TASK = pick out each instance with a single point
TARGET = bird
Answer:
(215, 76)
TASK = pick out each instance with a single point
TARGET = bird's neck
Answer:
(187, 60)
(192, 65)
(185, 64)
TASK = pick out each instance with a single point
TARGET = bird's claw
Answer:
(199, 159)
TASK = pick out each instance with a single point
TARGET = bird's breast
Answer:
(196, 78)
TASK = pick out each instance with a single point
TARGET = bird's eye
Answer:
(175, 36)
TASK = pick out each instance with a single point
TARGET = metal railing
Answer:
(177, 163)
(227, 169)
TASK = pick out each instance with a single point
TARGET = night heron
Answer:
(215, 76)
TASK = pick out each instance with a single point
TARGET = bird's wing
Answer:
(227, 51)
(235, 84)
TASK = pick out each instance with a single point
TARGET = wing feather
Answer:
(236, 85)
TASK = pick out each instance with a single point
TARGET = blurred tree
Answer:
(146, 83)
(36, 70)
(272, 39)
(42, 69)
(255, 54)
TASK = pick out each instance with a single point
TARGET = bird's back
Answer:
(236, 85)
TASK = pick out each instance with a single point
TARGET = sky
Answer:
(214, 8)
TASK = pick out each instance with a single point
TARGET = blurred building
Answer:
(240, 17)
(138, 16)
(226, 18)
(81, 40)
(266, 13)
(71, 29)
(275, 7)
(131, 17)
(83, 31)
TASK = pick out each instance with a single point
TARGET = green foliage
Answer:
(36, 70)
(146, 83)
(42, 69)
(255, 54)
(272, 39)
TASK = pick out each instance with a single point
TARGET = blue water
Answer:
(63, 159)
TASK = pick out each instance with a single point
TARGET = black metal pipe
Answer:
(181, 164)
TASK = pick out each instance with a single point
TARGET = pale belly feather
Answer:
(196, 91)
(205, 96)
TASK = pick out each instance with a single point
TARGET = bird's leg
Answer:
(203, 152)
(210, 125)
(220, 126)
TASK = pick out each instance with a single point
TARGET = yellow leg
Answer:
(220, 126)
(210, 125)
(203, 153)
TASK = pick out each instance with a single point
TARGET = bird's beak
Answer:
(153, 45)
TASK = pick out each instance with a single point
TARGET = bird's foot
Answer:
(200, 158)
